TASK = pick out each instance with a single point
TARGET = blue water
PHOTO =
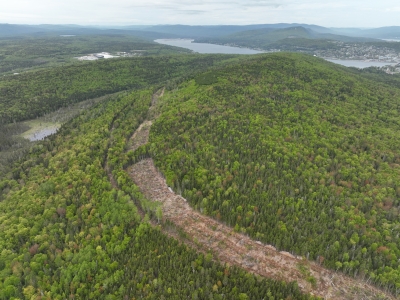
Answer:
(206, 48)
(41, 134)
(211, 48)
(359, 63)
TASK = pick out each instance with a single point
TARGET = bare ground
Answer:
(141, 135)
(228, 246)
(236, 249)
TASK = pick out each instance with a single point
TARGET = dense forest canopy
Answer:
(32, 94)
(293, 151)
(66, 232)
(19, 54)
(288, 149)
(296, 37)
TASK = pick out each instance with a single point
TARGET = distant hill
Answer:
(389, 32)
(255, 36)
(268, 37)
(156, 31)
(186, 31)
(13, 30)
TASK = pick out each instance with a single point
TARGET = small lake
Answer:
(205, 48)
(41, 134)
(359, 63)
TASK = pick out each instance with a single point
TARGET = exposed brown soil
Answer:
(228, 246)
(236, 249)
(141, 136)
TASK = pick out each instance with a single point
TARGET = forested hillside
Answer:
(294, 151)
(292, 38)
(378, 75)
(67, 232)
(288, 149)
(33, 52)
(33, 94)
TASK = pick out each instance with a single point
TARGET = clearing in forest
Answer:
(229, 246)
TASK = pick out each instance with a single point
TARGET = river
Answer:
(212, 48)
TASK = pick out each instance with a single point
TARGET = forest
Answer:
(287, 149)
(285, 39)
(32, 94)
(27, 53)
(66, 232)
(284, 144)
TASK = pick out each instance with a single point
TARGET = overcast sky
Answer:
(329, 13)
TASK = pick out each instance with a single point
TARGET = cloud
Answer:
(331, 13)
(262, 3)
(230, 5)
(393, 9)
(191, 12)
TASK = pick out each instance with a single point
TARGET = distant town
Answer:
(360, 51)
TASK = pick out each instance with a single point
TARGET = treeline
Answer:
(286, 39)
(31, 52)
(378, 75)
(33, 94)
(67, 233)
(293, 151)
(12, 146)
(303, 45)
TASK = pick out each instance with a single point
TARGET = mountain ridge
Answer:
(191, 31)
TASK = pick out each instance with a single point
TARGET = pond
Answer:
(40, 134)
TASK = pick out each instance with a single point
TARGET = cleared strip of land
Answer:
(228, 246)
(236, 249)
